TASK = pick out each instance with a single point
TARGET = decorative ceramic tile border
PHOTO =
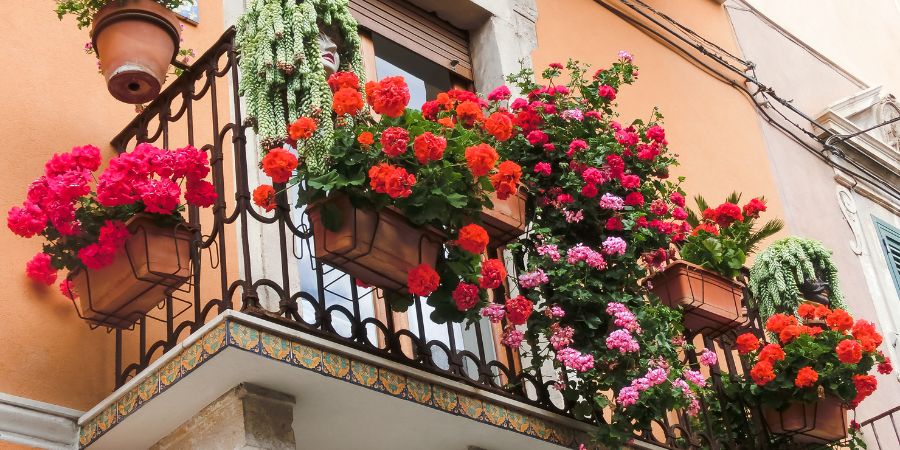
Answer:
(248, 338)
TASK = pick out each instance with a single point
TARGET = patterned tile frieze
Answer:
(247, 337)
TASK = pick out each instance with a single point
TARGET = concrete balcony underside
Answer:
(344, 399)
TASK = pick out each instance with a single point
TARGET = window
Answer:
(889, 237)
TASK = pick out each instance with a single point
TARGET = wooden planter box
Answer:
(820, 422)
(152, 264)
(710, 302)
(378, 248)
(506, 221)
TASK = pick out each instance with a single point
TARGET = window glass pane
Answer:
(425, 78)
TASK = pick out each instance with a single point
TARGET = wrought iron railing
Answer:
(882, 431)
(262, 264)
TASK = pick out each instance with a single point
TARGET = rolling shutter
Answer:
(890, 243)
(417, 30)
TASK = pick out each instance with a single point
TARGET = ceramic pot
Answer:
(710, 302)
(136, 40)
(377, 248)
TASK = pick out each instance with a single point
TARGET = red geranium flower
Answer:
(518, 309)
(423, 280)
(465, 296)
(473, 239)
(762, 373)
(279, 164)
(839, 320)
(492, 274)
(806, 377)
(481, 159)
(806, 311)
(865, 386)
(41, 270)
(728, 213)
(394, 141)
(849, 351)
(499, 125)
(302, 128)
(396, 182)
(347, 101)
(777, 322)
(469, 112)
(506, 180)
(789, 333)
(429, 147)
(343, 80)
(754, 207)
(771, 353)
(710, 228)
(868, 336)
(264, 197)
(885, 367)
(388, 96)
(746, 343)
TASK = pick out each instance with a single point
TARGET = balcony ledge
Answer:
(234, 348)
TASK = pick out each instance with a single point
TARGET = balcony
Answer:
(259, 308)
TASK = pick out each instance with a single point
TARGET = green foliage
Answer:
(282, 77)
(84, 10)
(722, 245)
(787, 263)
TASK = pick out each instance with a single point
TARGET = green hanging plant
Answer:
(781, 267)
(282, 77)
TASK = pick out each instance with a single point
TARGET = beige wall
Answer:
(861, 36)
(709, 124)
(54, 99)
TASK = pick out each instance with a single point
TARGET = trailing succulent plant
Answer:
(281, 68)
(781, 268)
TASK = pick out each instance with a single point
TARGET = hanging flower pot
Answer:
(136, 40)
(710, 302)
(154, 262)
(506, 221)
(820, 422)
(378, 248)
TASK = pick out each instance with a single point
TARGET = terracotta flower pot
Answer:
(820, 422)
(136, 40)
(506, 221)
(153, 262)
(378, 248)
(710, 302)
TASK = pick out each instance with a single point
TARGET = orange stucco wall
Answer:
(53, 99)
(710, 125)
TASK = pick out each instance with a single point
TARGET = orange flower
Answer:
(347, 101)
(473, 239)
(469, 112)
(279, 164)
(777, 322)
(443, 100)
(839, 320)
(388, 96)
(446, 122)
(422, 280)
(492, 274)
(343, 80)
(366, 139)
(849, 351)
(746, 343)
(481, 159)
(806, 377)
(822, 311)
(710, 228)
(806, 311)
(506, 180)
(302, 128)
(499, 125)
(771, 353)
(264, 197)
(762, 373)
(867, 334)
(429, 147)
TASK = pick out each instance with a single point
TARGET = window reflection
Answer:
(425, 78)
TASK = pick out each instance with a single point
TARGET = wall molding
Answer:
(37, 424)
